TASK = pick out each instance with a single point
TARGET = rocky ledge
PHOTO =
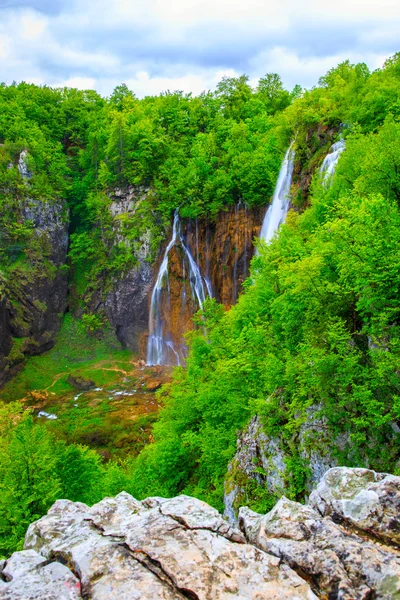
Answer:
(342, 545)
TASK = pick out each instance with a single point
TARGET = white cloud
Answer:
(32, 26)
(155, 45)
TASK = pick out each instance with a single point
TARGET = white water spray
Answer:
(160, 347)
(277, 210)
(330, 161)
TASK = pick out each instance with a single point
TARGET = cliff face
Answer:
(126, 304)
(5, 339)
(182, 548)
(40, 290)
(36, 288)
(222, 249)
(311, 149)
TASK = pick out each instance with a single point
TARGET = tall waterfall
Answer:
(331, 160)
(161, 349)
(277, 211)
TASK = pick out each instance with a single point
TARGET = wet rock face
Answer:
(222, 249)
(40, 292)
(165, 549)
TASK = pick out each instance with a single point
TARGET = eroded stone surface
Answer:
(363, 498)
(159, 548)
(340, 564)
(183, 548)
(27, 575)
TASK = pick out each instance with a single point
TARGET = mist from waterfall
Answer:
(330, 161)
(161, 349)
(277, 210)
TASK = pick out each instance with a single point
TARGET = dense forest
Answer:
(316, 328)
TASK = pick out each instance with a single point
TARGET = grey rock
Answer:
(340, 565)
(40, 295)
(80, 383)
(159, 548)
(254, 450)
(262, 458)
(368, 500)
(28, 576)
(127, 304)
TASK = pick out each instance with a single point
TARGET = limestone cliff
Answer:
(34, 286)
(343, 545)
(222, 248)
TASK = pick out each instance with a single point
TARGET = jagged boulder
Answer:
(27, 574)
(360, 497)
(340, 563)
(181, 547)
(158, 548)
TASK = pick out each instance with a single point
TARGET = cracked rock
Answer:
(165, 549)
(27, 575)
(370, 501)
(340, 564)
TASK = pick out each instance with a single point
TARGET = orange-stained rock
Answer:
(223, 250)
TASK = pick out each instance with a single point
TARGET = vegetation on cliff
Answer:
(318, 324)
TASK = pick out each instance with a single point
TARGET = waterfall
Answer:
(207, 276)
(331, 160)
(161, 349)
(277, 210)
(236, 251)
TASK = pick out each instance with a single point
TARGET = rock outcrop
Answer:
(40, 290)
(342, 546)
(262, 459)
(127, 302)
(34, 286)
(222, 249)
(353, 562)
(363, 499)
(158, 548)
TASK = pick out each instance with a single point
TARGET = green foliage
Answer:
(318, 326)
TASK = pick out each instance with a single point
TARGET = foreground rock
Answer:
(343, 546)
(164, 549)
(360, 497)
(341, 563)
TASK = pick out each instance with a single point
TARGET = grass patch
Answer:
(99, 359)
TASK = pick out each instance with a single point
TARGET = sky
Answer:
(189, 45)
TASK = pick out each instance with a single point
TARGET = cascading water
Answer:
(161, 349)
(277, 211)
(236, 251)
(331, 160)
